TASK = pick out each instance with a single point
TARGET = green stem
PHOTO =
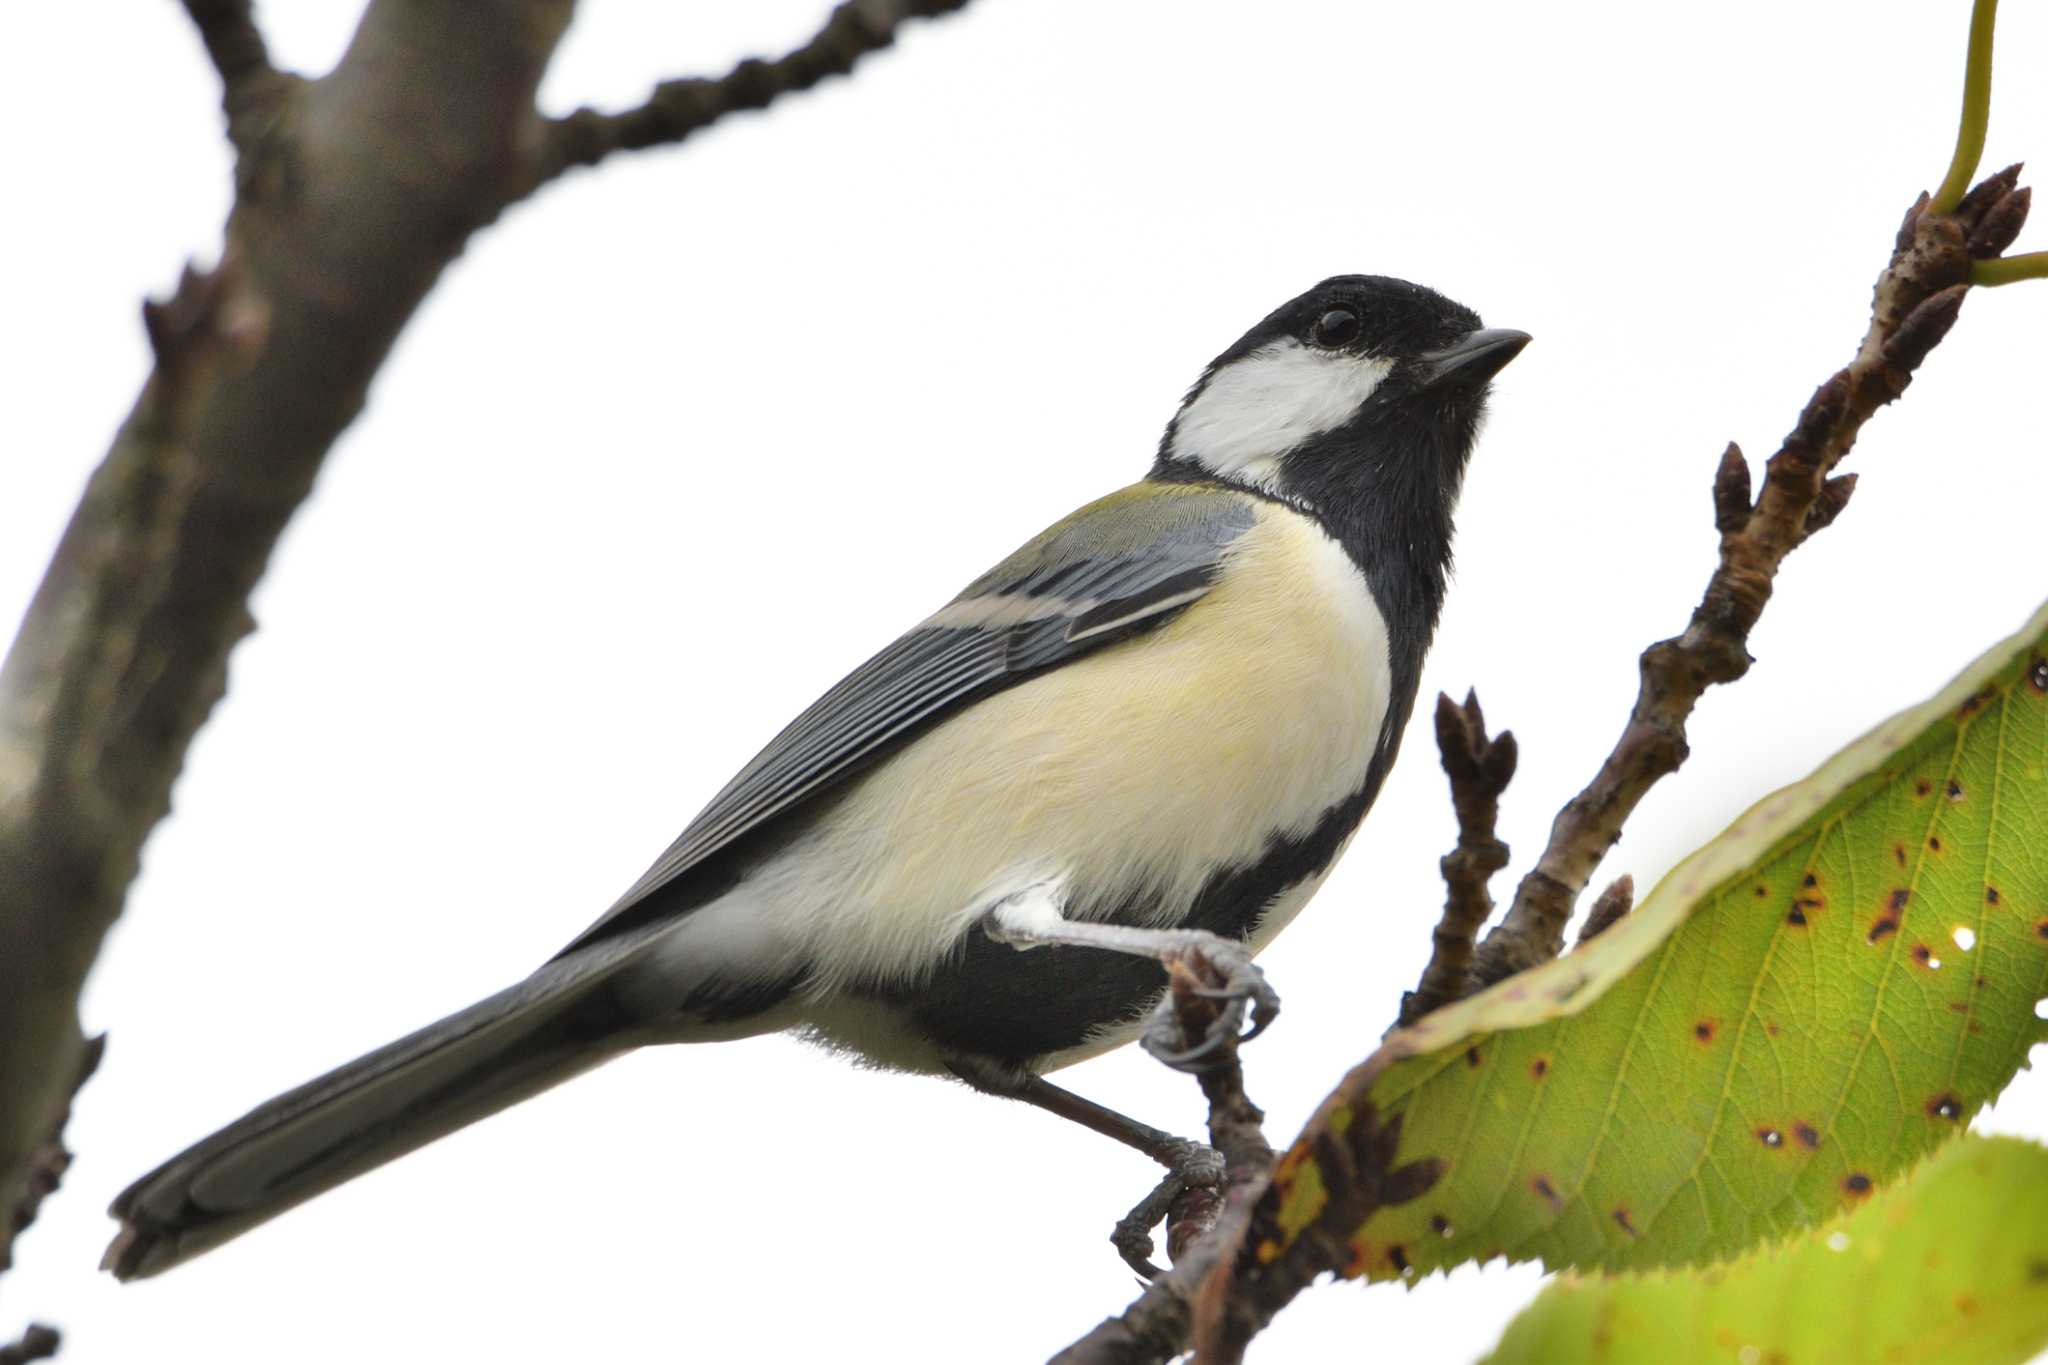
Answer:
(2031, 265)
(1976, 110)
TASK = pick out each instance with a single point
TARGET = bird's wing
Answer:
(1118, 566)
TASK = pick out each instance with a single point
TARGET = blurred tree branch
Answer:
(679, 108)
(37, 1343)
(352, 192)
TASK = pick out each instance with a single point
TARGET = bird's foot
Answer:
(1192, 1166)
(1222, 971)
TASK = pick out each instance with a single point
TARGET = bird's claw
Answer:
(1191, 1165)
(1228, 974)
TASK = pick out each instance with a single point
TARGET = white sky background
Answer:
(677, 444)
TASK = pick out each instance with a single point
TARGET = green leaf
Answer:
(1797, 1013)
(1957, 1255)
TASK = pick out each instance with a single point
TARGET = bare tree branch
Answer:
(37, 1343)
(40, 1180)
(1351, 1170)
(254, 94)
(679, 108)
(1479, 769)
(1201, 1220)
(1917, 299)
(1609, 907)
(426, 130)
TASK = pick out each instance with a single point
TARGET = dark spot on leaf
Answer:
(1360, 1262)
(1897, 900)
(1704, 1030)
(1441, 1224)
(1934, 842)
(1958, 1007)
(1856, 1183)
(1885, 925)
(1955, 790)
(2041, 928)
(1922, 787)
(1399, 1258)
(1899, 854)
(1472, 1057)
(1770, 1137)
(1945, 1107)
(1541, 1184)
(1991, 895)
(1922, 954)
(1808, 1135)
(1771, 1027)
(1762, 891)
(1539, 1067)
(1975, 702)
(2037, 676)
(2037, 1271)
(1809, 881)
(1795, 916)
(1621, 1220)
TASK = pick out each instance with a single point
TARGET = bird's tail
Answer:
(557, 1023)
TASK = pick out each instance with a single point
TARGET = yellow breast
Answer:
(1145, 767)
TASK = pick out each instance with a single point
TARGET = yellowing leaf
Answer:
(1948, 1267)
(1800, 1011)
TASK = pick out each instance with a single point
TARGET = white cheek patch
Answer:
(1254, 410)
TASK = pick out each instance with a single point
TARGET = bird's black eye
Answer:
(1338, 327)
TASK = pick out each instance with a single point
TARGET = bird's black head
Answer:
(1358, 402)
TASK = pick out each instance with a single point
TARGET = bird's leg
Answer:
(1189, 1164)
(1032, 919)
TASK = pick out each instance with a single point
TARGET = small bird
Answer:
(1146, 735)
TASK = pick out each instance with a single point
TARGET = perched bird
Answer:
(1149, 732)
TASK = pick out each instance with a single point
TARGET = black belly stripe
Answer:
(989, 1000)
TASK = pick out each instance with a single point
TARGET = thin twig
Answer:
(1479, 769)
(39, 1181)
(1608, 908)
(1202, 1220)
(1328, 1188)
(679, 108)
(37, 1343)
(252, 90)
(1917, 299)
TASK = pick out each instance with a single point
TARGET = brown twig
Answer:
(48, 1165)
(1608, 908)
(427, 129)
(37, 1343)
(1327, 1188)
(1916, 301)
(1202, 1220)
(253, 92)
(679, 108)
(1479, 769)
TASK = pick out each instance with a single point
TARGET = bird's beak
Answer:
(1473, 358)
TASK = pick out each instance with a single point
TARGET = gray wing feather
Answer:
(1120, 565)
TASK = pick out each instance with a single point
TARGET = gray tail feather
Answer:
(554, 1025)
